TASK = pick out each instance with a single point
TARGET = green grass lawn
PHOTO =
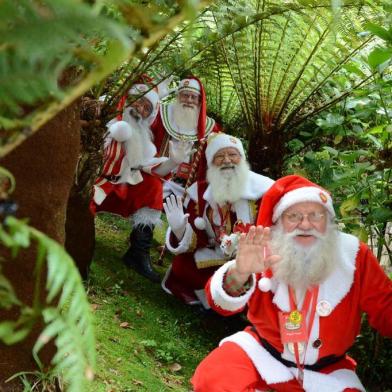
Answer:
(146, 339)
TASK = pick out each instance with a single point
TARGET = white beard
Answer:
(304, 266)
(228, 182)
(185, 118)
(139, 148)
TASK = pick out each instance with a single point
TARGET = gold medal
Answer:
(295, 317)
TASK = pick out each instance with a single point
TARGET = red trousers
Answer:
(126, 199)
(184, 277)
(229, 369)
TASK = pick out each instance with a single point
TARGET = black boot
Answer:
(138, 255)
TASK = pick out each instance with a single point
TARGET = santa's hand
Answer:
(175, 215)
(163, 87)
(179, 151)
(253, 253)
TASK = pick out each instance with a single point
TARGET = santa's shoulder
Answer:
(256, 186)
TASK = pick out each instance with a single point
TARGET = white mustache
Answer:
(312, 232)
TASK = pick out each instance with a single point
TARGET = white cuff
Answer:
(219, 295)
(183, 245)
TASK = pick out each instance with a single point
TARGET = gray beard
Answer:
(186, 119)
(304, 266)
(228, 185)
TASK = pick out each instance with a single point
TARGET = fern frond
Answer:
(66, 311)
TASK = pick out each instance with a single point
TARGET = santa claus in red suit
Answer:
(131, 180)
(306, 285)
(205, 236)
(184, 120)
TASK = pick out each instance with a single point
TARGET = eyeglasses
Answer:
(298, 217)
(219, 158)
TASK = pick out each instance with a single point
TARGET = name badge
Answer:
(292, 327)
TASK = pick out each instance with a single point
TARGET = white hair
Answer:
(228, 181)
(304, 266)
(186, 118)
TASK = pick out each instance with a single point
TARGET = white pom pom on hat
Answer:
(120, 131)
(200, 223)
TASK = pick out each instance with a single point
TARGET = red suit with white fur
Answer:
(126, 184)
(199, 254)
(165, 129)
(256, 359)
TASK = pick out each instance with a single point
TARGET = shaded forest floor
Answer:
(149, 341)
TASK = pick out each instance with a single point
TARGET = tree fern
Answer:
(66, 311)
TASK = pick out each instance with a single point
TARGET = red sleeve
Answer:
(376, 291)
(158, 131)
(215, 307)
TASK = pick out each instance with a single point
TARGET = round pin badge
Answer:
(323, 308)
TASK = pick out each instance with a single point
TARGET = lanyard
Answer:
(223, 220)
(309, 302)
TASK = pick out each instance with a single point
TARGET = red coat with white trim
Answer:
(357, 285)
(126, 183)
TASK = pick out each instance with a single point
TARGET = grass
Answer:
(146, 339)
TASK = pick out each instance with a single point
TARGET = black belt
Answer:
(319, 365)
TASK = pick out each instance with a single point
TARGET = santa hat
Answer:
(194, 84)
(288, 191)
(190, 84)
(140, 90)
(217, 141)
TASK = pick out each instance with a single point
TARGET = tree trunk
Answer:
(44, 167)
(266, 152)
(80, 233)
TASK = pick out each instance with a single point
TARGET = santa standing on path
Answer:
(306, 285)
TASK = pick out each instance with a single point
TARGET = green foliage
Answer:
(66, 311)
(53, 52)
(147, 340)
(40, 41)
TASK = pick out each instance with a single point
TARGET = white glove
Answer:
(163, 87)
(175, 215)
(179, 151)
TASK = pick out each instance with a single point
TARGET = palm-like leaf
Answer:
(269, 65)
(69, 322)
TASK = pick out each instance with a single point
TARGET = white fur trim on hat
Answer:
(141, 89)
(189, 85)
(300, 195)
(217, 141)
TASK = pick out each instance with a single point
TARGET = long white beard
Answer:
(228, 182)
(139, 148)
(304, 266)
(186, 118)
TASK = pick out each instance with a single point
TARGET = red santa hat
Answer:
(217, 141)
(288, 191)
(193, 84)
(140, 90)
